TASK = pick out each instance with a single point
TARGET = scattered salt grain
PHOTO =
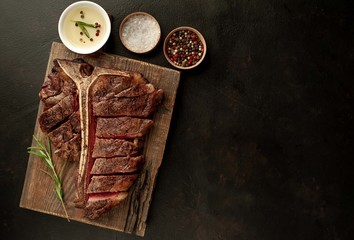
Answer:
(140, 33)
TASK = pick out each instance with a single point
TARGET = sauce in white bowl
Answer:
(84, 27)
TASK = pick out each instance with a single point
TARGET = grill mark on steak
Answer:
(56, 86)
(65, 131)
(117, 165)
(67, 138)
(107, 86)
(140, 106)
(115, 148)
(58, 113)
(70, 150)
(122, 127)
(111, 183)
(137, 90)
(128, 95)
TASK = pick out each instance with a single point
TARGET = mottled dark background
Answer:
(261, 142)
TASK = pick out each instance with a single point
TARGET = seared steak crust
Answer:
(122, 127)
(114, 183)
(97, 204)
(58, 113)
(115, 148)
(70, 150)
(66, 131)
(117, 165)
(57, 86)
(136, 106)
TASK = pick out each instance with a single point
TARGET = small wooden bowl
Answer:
(136, 39)
(177, 57)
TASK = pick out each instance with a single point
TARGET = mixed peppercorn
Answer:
(184, 48)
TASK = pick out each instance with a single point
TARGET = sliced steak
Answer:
(140, 106)
(111, 183)
(107, 86)
(115, 148)
(66, 131)
(70, 150)
(122, 127)
(57, 86)
(117, 165)
(97, 204)
(137, 90)
(51, 117)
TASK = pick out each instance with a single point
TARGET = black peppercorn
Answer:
(184, 48)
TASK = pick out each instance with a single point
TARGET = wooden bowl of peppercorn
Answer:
(184, 48)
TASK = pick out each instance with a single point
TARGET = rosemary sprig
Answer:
(84, 30)
(44, 152)
(83, 25)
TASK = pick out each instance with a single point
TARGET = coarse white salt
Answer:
(140, 32)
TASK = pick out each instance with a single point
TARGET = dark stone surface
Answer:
(261, 142)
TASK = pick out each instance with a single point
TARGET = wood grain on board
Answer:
(129, 216)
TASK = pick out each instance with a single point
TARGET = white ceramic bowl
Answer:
(70, 34)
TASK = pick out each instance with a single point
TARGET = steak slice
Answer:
(111, 183)
(56, 86)
(66, 131)
(137, 90)
(115, 148)
(51, 117)
(98, 204)
(136, 106)
(107, 86)
(122, 127)
(70, 150)
(117, 165)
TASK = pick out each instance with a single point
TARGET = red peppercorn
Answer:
(184, 48)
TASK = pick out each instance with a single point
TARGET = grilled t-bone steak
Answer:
(100, 117)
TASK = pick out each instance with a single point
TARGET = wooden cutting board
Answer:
(129, 216)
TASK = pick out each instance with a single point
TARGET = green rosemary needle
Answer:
(45, 153)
